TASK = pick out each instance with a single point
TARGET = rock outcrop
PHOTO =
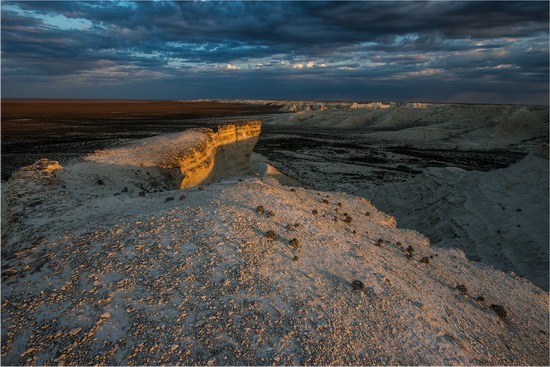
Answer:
(201, 155)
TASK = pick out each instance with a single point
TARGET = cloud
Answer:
(232, 67)
(87, 41)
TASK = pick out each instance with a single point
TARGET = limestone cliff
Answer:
(201, 155)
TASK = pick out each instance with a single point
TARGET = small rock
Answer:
(169, 198)
(270, 235)
(141, 193)
(125, 189)
(182, 197)
(174, 347)
(325, 201)
(105, 315)
(28, 351)
(295, 258)
(75, 331)
(270, 214)
(293, 190)
(100, 182)
(358, 285)
(462, 289)
(260, 209)
(294, 243)
(201, 188)
(500, 311)
(289, 227)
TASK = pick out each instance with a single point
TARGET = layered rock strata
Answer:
(201, 155)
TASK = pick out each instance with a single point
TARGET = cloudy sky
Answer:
(459, 51)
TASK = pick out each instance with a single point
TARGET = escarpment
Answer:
(201, 155)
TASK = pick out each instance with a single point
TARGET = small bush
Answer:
(379, 243)
(270, 213)
(270, 235)
(201, 188)
(289, 227)
(100, 182)
(425, 260)
(182, 197)
(293, 190)
(409, 250)
(340, 205)
(294, 243)
(462, 289)
(325, 201)
(295, 258)
(500, 311)
(399, 244)
(367, 214)
(358, 285)
(480, 299)
(125, 189)
(314, 212)
(260, 209)
(141, 193)
(296, 225)
(169, 198)
(348, 220)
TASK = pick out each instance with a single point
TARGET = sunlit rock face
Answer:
(219, 155)
(235, 142)
(372, 105)
(201, 155)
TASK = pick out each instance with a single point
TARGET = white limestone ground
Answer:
(96, 273)
(498, 217)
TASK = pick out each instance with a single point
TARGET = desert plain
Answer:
(221, 232)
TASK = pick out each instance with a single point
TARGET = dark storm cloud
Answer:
(281, 44)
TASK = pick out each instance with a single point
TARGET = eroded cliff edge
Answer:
(200, 155)
(191, 158)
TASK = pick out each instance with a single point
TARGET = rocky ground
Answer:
(108, 263)
(196, 277)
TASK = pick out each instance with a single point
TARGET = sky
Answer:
(440, 51)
